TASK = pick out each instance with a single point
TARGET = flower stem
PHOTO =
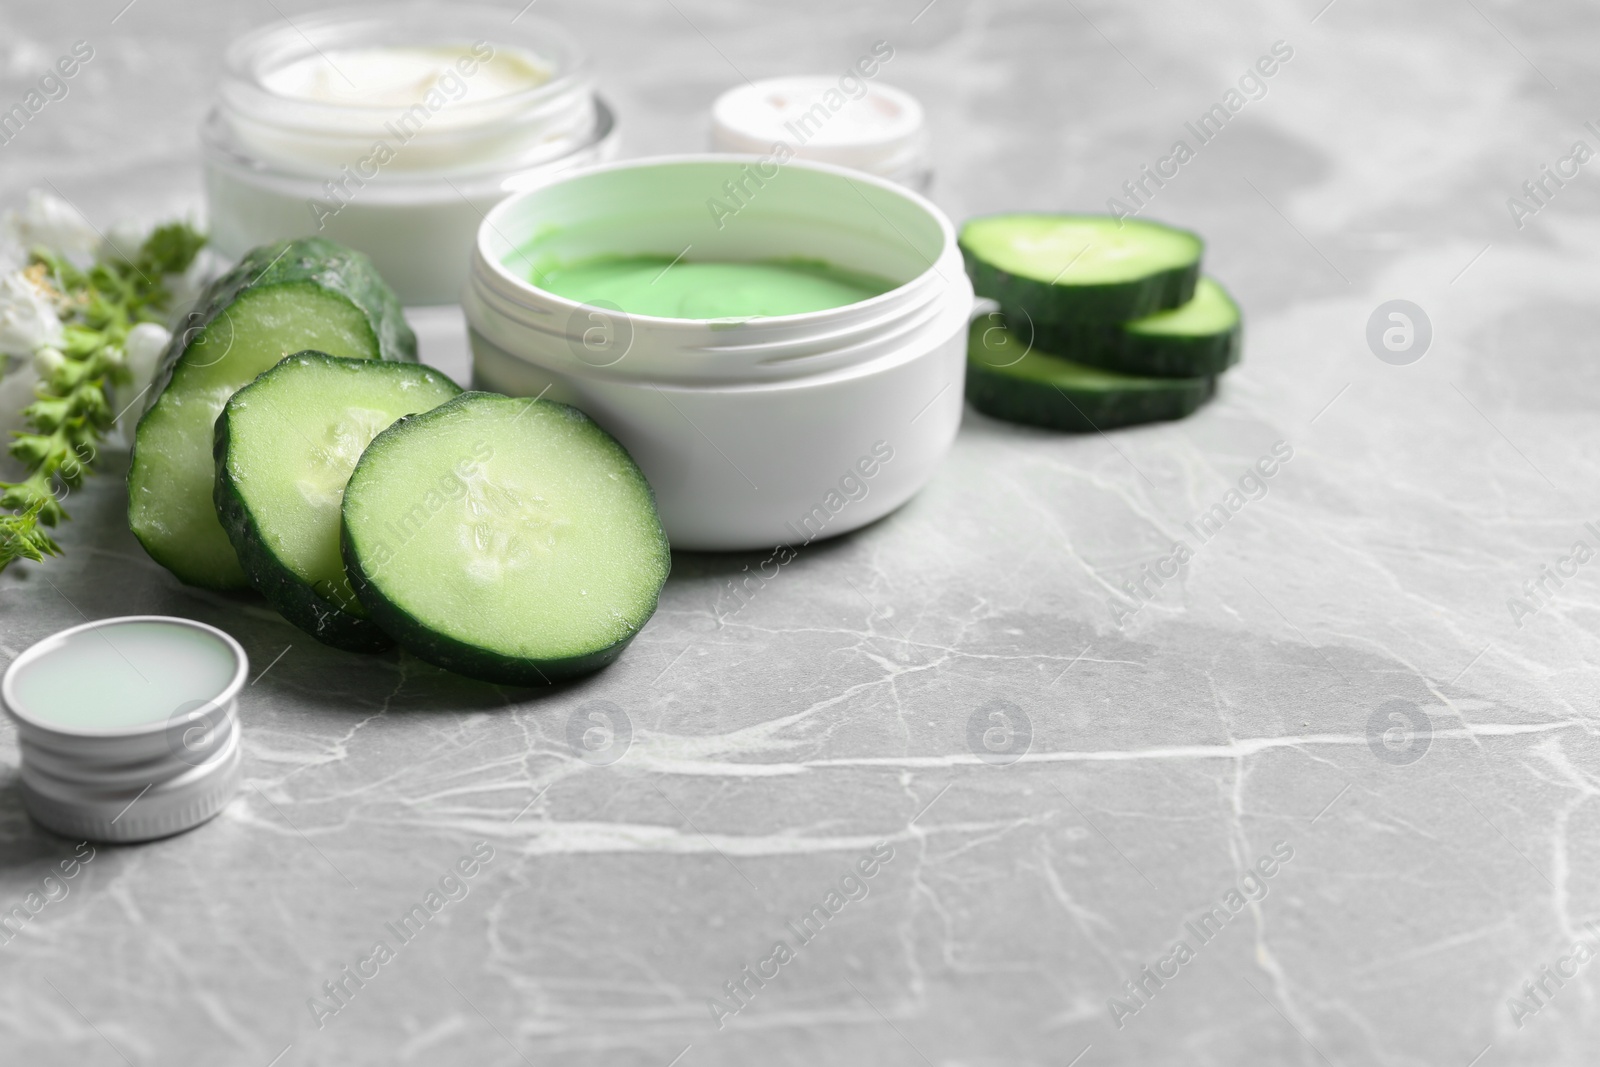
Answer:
(71, 412)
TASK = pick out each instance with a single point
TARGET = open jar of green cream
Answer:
(392, 130)
(781, 347)
(127, 727)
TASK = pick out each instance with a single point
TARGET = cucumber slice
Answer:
(281, 298)
(285, 446)
(1200, 339)
(1008, 380)
(1074, 269)
(509, 540)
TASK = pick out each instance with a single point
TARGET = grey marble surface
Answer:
(1336, 675)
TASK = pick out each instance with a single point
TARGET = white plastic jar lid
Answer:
(127, 727)
(864, 125)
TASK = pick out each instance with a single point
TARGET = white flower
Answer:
(142, 351)
(57, 225)
(48, 362)
(27, 320)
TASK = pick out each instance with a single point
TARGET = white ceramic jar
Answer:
(393, 130)
(758, 432)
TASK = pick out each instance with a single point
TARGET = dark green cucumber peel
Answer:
(349, 401)
(281, 298)
(1080, 269)
(325, 264)
(1201, 339)
(1007, 380)
(483, 584)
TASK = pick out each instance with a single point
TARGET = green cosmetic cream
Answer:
(126, 675)
(687, 289)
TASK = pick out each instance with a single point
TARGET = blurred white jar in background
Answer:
(848, 120)
(393, 130)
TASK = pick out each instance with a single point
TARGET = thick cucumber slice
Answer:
(285, 446)
(1073, 269)
(1008, 380)
(281, 298)
(1198, 340)
(509, 540)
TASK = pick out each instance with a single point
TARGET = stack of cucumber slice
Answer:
(279, 299)
(370, 500)
(285, 446)
(1103, 322)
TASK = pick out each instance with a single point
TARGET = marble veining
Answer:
(1068, 770)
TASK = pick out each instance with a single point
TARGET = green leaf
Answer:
(71, 410)
(171, 248)
(21, 538)
(32, 498)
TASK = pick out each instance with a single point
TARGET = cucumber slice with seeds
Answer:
(1200, 339)
(513, 541)
(1009, 380)
(1075, 269)
(285, 446)
(279, 299)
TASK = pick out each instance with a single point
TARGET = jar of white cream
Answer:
(393, 130)
(127, 727)
(782, 348)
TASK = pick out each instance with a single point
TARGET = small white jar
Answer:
(845, 119)
(127, 728)
(757, 432)
(335, 125)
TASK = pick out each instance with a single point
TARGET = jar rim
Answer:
(733, 115)
(522, 126)
(32, 722)
(242, 60)
(509, 281)
(220, 147)
(869, 221)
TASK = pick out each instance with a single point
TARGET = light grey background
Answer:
(773, 750)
